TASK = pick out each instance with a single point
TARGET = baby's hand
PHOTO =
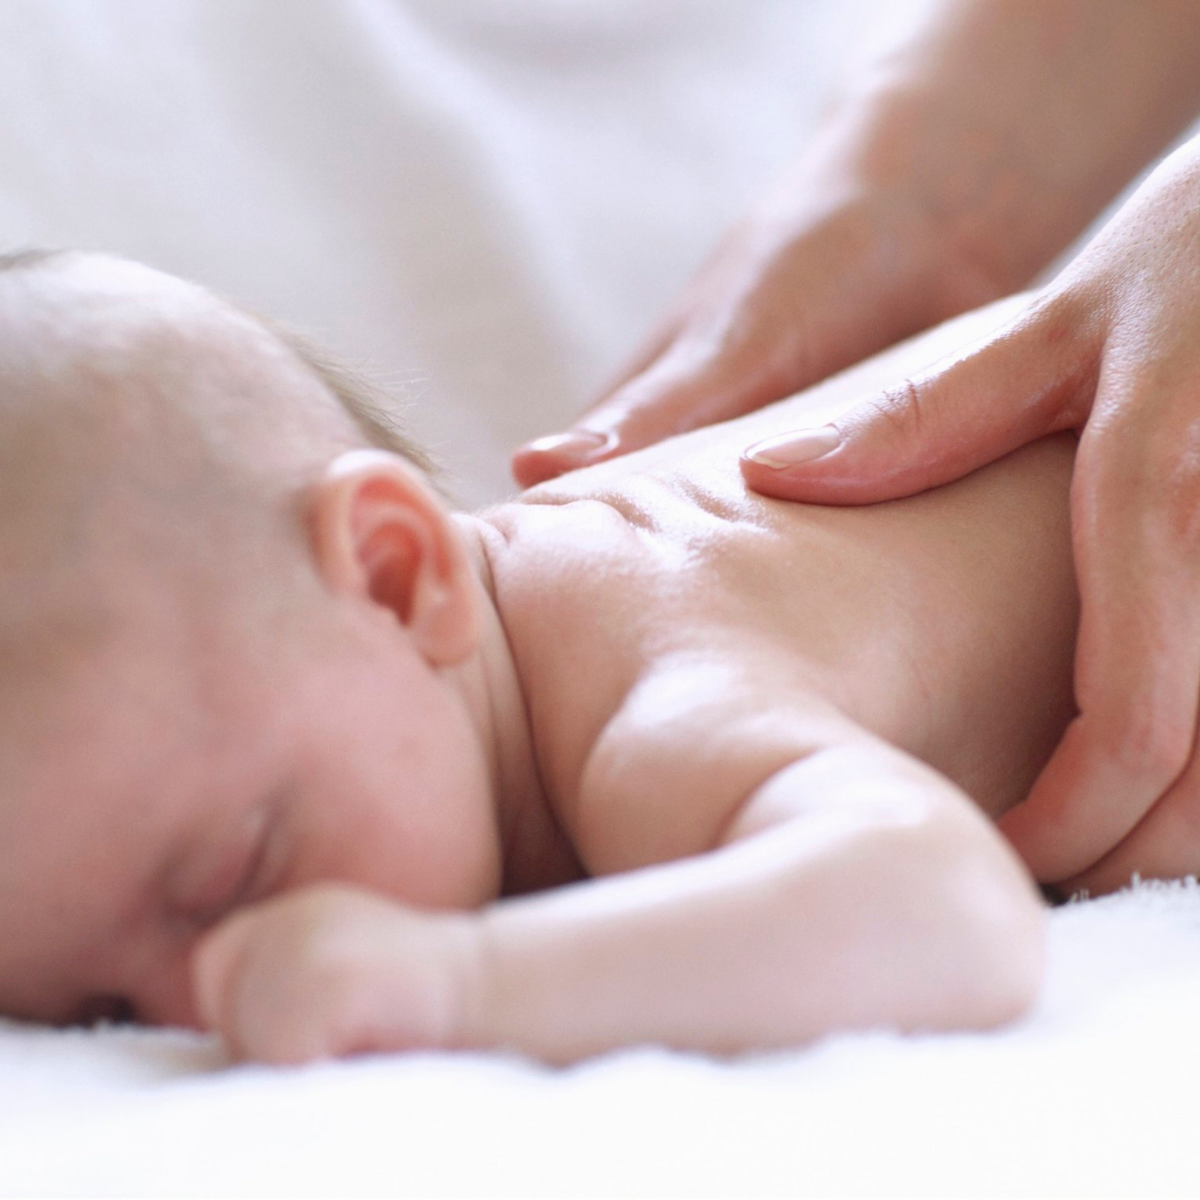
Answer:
(327, 971)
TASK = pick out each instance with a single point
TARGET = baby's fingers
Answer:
(1164, 845)
(329, 971)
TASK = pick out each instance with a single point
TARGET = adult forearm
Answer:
(1014, 121)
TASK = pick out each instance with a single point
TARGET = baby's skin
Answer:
(638, 757)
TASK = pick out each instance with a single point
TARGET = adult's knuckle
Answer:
(902, 409)
(1178, 499)
(1141, 449)
(1057, 313)
(1151, 742)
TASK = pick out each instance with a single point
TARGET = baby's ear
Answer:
(380, 533)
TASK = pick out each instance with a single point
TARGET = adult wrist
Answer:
(956, 194)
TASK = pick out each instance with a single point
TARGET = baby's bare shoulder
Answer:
(663, 668)
(691, 741)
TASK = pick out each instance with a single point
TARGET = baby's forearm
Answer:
(838, 920)
(1015, 122)
(846, 897)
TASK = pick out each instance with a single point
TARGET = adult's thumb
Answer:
(931, 429)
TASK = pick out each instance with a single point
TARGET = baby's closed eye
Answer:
(104, 1009)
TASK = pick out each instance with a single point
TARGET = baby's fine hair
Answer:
(371, 409)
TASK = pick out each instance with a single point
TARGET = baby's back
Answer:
(658, 594)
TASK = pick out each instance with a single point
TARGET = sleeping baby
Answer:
(291, 751)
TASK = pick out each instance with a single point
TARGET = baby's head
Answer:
(231, 619)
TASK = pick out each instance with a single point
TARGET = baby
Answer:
(290, 751)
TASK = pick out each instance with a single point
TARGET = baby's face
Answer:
(175, 775)
(185, 757)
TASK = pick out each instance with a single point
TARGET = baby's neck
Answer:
(536, 853)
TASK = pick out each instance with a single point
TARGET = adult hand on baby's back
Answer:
(818, 277)
(326, 971)
(1110, 349)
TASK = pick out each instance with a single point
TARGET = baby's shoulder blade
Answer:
(691, 741)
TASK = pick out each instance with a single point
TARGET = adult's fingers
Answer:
(1027, 380)
(782, 303)
(1164, 845)
(696, 379)
(1136, 529)
(552, 455)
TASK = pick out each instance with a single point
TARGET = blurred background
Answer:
(483, 203)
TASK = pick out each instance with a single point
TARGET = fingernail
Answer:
(790, 449)
(575, 443)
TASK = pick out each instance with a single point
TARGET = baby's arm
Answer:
(855, 888)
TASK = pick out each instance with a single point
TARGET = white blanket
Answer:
(486, 200)
(1093, 1095)
(490, 201)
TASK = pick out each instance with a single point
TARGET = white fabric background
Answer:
(486, 200)
(1092, 1096)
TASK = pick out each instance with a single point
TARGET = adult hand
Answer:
(962, 156)
(817, 278)
(1111, 349)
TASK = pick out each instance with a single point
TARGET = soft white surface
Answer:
(491, 200)
(488, 199)
(1093, 1095)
